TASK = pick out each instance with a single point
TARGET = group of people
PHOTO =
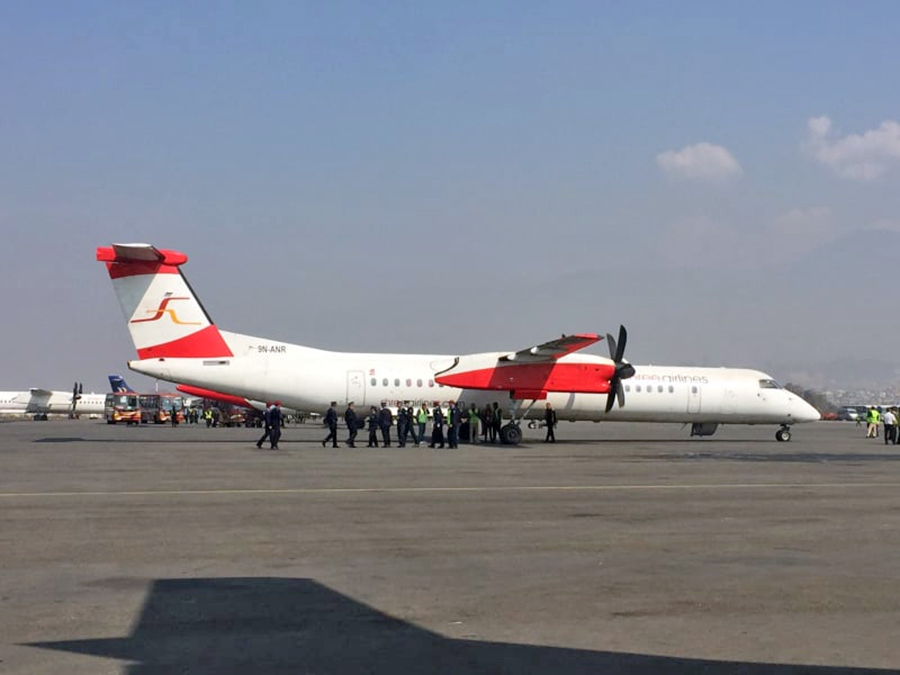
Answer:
(411, 424)
(890, 419)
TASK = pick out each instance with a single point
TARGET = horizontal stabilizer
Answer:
(124, 253)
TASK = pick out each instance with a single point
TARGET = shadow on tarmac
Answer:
(282, 625)
(807, 457)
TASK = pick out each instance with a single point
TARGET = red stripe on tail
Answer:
(205, 343)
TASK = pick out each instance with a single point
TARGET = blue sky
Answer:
(319, 161)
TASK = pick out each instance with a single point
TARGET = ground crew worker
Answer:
(422, 420)
(872, 419)
(473, 424)
(550, 421)
(207, 415)
(331, 420)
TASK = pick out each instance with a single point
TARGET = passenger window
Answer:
(671, 389)
(396, 381)
(694, 390)
(409, 383)
(659, 389)
(374, 381)
(384, 382)
(418, 383)
(627, 387)
(637, 387)
(430, 383)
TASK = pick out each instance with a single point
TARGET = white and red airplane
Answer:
(177, 341)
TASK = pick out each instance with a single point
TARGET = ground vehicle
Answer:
(159, 408)
(122, 408)
(848, 413)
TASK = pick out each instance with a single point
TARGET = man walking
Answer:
(386, 419)
(889, 419)
(275, 421)
(351, 421)
(267, 432)
(550, 421)
(331, 420)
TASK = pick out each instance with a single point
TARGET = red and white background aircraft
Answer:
(177, 341)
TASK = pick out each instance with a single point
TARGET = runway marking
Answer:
(413, 490)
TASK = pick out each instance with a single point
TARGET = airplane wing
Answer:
(533, 372)
(40, 392)
(554, 349)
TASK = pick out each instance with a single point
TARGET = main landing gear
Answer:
(783, 435)
(511, 434)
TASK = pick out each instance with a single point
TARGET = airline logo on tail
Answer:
(164, 309)
(150, 287)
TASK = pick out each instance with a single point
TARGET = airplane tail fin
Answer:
(118, 385)
(164, 316)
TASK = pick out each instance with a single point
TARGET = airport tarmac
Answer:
(624, 548)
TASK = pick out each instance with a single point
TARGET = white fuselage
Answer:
(43, 402)
(308, 379)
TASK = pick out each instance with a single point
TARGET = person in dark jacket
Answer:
(387, 419)
(402, 426)
(550, 422)
(267, 421)
(331, 421)
(275, 420)
(374, 424)
(352, 425)
(453, 423)
(437, 431)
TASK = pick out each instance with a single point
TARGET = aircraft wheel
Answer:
(532, 424)
(783, 435)
(511, 434)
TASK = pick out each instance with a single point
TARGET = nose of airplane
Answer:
(801, 411)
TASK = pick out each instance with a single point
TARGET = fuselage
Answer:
(40, 401)
(308, 379)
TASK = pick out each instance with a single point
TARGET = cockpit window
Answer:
(769, 384)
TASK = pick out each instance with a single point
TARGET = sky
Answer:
(452, 177)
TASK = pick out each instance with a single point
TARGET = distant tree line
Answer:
(816, 399)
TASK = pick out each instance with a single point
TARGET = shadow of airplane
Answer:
(280, 625)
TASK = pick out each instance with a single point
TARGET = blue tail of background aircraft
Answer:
(119, 385)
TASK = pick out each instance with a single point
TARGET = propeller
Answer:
(623, 371)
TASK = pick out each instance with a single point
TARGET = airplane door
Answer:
(694, 398)
(356, 386)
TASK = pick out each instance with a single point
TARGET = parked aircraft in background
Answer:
(42, 402)
(177, 341)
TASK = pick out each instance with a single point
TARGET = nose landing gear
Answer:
(783, 435)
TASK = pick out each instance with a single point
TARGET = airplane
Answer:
(176, 340)
(41, 402)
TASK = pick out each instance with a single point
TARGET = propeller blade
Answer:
(611, 342)
(620, 348)
(620, 393)
(625, 371)
(611, 398)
